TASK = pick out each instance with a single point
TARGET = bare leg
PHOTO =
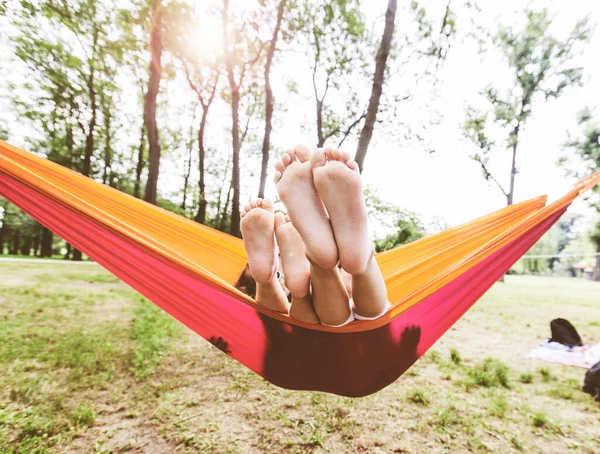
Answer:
(302, 309)
(368, 291)
(330, 298)
(270, 294)
(258, 231)
(296, 269)
(338, 183)
(295, 185)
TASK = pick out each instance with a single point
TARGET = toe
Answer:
(336, 154)
(345, 156)
(302, 152)
(353, 165)
(318, 158)
(253, 204)
(279, 219)
(328, 153)
(267, 204)
(247, 207)
(259, 202)
(288, 157)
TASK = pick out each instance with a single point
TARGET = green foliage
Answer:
(152, 330)
(543, 68)
(434, 356)
(488, 373)
(526, 377)
(417, 396)
(406, 225)
(546, 374)
(539, 419)
(84, 415)
(455, 356)
(498, 407)
(582, 157)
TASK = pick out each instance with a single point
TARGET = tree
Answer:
(150, 102)
(202, 72)
(66, 79)
(405, 225)
(422, 42)
(269, 104)
(334, 34)
(237, 49)
(587, 149)
(542, 68)
(380, 67)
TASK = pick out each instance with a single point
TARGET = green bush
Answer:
(488, 373)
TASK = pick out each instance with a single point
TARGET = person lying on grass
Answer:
(322, 246)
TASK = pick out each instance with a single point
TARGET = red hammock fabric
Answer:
(349, 364)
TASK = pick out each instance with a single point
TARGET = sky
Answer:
(447, 184)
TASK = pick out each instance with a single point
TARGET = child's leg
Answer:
(258, 231)
(296, 269)
(270, 294)
(369, 292)
(339, 185)
(329, 295)
(302, 309)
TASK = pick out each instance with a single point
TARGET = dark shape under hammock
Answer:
(187, 269)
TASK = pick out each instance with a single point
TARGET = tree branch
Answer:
(488, 176)
(351, 127)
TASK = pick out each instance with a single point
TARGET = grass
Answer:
(488, 373)
(90, 366)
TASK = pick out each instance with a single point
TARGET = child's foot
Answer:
(295, 185)
(338, 183)
(296, 267)
(258, 232)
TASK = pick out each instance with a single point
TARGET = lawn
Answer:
(90, 366)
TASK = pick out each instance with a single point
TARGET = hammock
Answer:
(188, 270)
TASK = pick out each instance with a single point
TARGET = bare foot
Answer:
(296, 267)
(294, 181)
(258, 231)
(338, 183)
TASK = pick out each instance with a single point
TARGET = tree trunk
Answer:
(320, 137)
(223, 220)
(378, 78)
(150, 105)
(89, 140)
(107, 176)
(201, 215)
(269, 102)
(36, 244)
(46, 247)
(2, 236)
(234, 228)
(26, 245)
(140, 163)
(188, 170)
(513, 168)
(67, 255)
(596, 273)
(15, 243)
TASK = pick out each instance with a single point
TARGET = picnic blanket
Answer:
(585, 356)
